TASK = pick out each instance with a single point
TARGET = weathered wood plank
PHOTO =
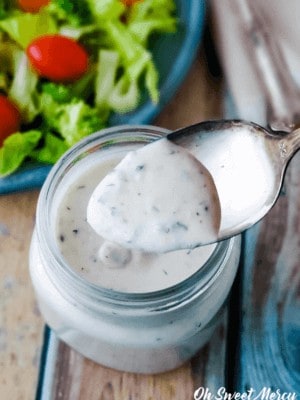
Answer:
(21, 325)
(269, 355)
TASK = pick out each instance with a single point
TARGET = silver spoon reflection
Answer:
(247, 163)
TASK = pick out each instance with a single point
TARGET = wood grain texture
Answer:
(20, 322)
(270, 336)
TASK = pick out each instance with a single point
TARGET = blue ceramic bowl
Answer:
(173, 55)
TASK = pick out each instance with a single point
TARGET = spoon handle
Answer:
(290, 144)
(282, 95)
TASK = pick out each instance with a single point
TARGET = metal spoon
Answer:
(247, 163)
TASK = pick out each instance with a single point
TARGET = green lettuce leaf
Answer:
(5, 8)
(58, 92)
(112, 92)
(135, 59)
(74, 12)
(23, 89)
(52, 149)
(77, 120)
(124, 96)
(106, 9)
(149, 16)
(25, 27)
(3, 82)
(15, 149)
(107, 66)
(73, 120)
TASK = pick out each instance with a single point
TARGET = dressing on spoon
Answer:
(247, 164)
(159, 198)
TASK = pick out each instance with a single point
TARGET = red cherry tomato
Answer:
(10, 118)
(32, 6)
(57, 58)
(129, 3)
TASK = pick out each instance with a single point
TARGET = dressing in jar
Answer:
(124, 308)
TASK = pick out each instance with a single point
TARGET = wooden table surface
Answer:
(258, 344)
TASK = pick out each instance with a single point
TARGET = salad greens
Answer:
(57, 115)
(23, 28)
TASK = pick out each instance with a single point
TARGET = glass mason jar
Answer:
(146, 332)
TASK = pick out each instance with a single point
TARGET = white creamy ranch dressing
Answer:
(105, 263)
(159, 198)
(135, 311)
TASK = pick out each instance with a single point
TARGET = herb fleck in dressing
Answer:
(104, 262)
(159, 198)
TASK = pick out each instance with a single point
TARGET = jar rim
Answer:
(192, 285)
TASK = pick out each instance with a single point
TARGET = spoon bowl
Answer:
(247, 163)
